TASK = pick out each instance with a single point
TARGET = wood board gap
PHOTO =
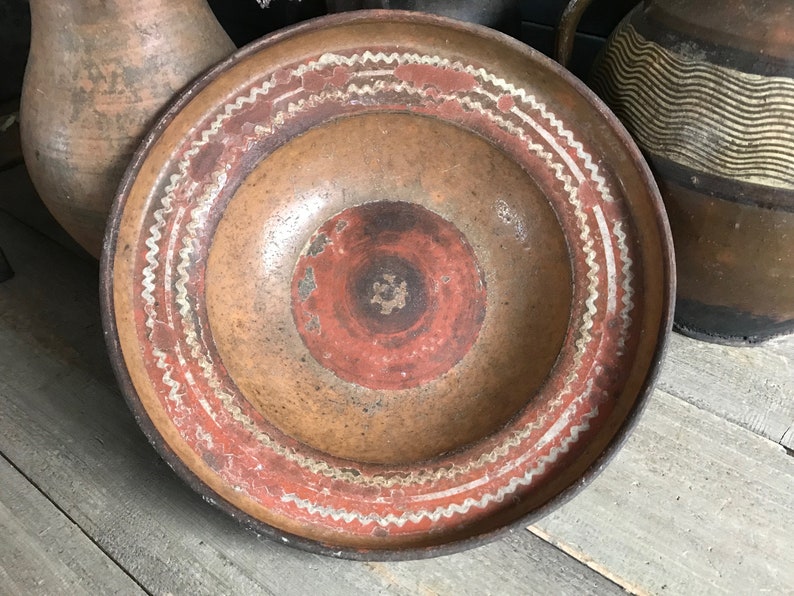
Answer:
(579, 556)
(74, 522)
(749, 387)
(780, 442)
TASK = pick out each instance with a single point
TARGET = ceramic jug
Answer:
(706, 87)
(98, 74)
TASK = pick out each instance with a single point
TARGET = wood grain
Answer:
(752, 387)
(43, 552)
(67, 427)
(692, 504)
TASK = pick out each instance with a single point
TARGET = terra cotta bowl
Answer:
(383, 284)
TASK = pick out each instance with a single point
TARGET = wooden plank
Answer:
(692, 504)
(750, 386)
(43, 552)
(67, 427)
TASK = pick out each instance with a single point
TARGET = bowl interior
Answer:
(386, 288)
(383, 284)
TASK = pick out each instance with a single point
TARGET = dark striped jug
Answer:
(706, 87)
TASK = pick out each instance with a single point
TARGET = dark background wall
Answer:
(540, 18)
(245, 21)
(14, 42)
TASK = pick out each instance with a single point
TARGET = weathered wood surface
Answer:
(43, 552)
(694, 503)
(753, 387)
(65, 425)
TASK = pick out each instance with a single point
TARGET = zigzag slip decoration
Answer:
(541, 133)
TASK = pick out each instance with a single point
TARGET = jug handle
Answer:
(566, 30)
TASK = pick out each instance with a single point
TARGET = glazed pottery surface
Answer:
(706, 88)
(382, 296)
(98, 75)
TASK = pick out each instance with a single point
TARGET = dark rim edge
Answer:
(734, 341)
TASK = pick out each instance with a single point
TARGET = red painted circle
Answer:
(388, 295)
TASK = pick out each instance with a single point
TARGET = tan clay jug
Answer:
(98, 74)
(706, 88)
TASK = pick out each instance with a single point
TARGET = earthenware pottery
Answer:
(381, 296)
(97, 76)
(706, 87)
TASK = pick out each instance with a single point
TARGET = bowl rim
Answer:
(142, 417)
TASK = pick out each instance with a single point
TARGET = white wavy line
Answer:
(447, 511)
(628, 291)
(631, 45)
(293, 108)
(205, 362)
(606, 238)
(592, 276)
(174, 394)
(155, 235)
(483, 76)
(207, 365)
(703, 116)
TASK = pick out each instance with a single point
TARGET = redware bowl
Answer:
(384, 284)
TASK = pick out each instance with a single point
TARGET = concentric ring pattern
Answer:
(166, 223)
